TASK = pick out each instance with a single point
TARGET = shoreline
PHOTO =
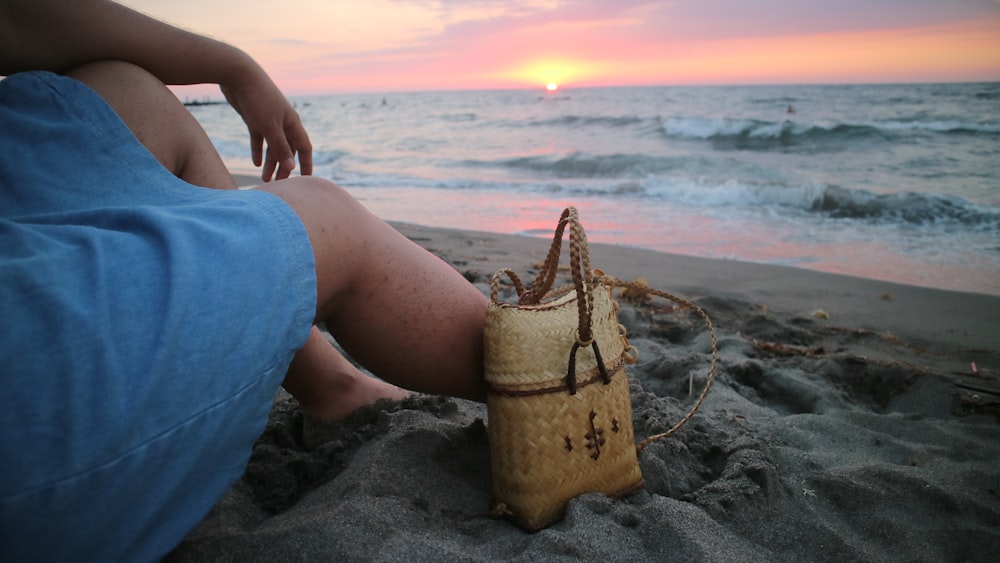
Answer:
(962, 319)
(957, 285)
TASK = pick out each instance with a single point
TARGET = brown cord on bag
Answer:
(571, 368)
(579, 265)
(538, 435)
(641, 290)
(495, 283)
(547, 276)
(584, 281)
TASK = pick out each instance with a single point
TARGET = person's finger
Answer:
(256, 147)
(278, 154)
(267, 172)
(305, 159)
(285, 168)
(299, 139)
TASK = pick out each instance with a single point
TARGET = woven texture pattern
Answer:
(529, 345)
(550, 446)
(560, 415)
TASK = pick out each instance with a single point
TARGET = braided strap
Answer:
(642, 292)
(584, 282)
(579, 266)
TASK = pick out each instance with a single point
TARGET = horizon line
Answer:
(541, 88)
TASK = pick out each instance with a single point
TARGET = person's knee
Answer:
(134, 93)
(154, 115)
(309, 195)
(343, 234)
(321, 205)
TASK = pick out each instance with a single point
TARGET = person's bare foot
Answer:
(349, 392)
(328, 386)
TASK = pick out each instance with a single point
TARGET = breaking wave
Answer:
(756, 134)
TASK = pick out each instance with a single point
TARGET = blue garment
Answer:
(146, 325)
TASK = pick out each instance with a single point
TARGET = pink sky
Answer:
(324, 46)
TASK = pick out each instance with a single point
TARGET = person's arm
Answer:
(58, 35)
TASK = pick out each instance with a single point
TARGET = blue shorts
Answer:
(146, 325)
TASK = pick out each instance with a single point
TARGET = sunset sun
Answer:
(552, 74)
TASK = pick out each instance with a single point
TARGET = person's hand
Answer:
(57, 35)
(271, 119)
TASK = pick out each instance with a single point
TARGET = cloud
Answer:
(594, 26)
(469, 43)
(735, 18)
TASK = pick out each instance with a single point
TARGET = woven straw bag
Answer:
(560, 415)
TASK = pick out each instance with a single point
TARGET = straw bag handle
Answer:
(584, 281)
(579, 264)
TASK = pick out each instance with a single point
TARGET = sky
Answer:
(329, 46)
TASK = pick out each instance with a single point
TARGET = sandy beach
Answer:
(850, 420)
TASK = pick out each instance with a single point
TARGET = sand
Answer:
(851, 420)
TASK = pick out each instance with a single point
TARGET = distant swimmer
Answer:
(791, 109)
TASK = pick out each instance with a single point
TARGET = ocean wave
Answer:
(829, 202)
(838, 203)
(909, 208)
(955, 127)
(588, 121)
(736, 194)
(580, 165)
(763, 135)
(755, 134)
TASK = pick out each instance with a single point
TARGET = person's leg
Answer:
(341, 391)
(325, 383)
(400, 311)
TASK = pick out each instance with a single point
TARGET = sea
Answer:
(891, 182)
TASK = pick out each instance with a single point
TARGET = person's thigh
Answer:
(402, 312)
(136, 383)
(147, 326)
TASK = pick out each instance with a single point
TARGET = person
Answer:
(151, 310)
